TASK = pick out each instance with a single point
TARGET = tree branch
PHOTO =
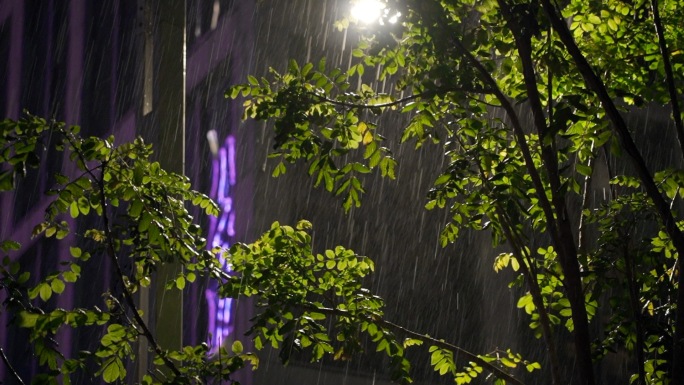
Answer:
(581, 229)
(397, 102)
(595, 84)
(10, 367)
(512, 115)
(423, 337)
(563, 240)
(340, 103)
(111, 253)
(529, 272)
(526, 265)
(633, 289)
(529, 162)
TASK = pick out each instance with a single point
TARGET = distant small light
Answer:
(215, 14)
(367, 11)
(395, 18)
(212, 138)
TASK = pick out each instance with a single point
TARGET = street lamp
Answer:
(372, 11)
(367, 11)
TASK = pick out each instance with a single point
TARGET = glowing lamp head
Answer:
(367, 11)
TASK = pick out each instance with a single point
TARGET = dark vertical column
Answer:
(12, 14)
(195, 313)
(163, 113)
(72, 115)
(74, 85)
(115, 54)
(147, 96)
(14, 10)
(170, 85)
(171, 150)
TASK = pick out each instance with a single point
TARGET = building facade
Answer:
(150, 68)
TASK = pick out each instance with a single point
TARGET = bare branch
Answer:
(397, 102)
(422, 337)
(340, 103)
(10, 367)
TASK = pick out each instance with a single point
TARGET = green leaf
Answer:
(145, 221)
(9, 245)
(113, 370)
(57, 286)
(73, 209)
(506, 362)
(45, 291)
(237, 347)
(28, 320)
(306, 69)
(442, 179)
(292, 66)
(358, 167)
(342, 264)
(50, 231)
(191, 277)
(514, 264)
(594, 19)
(23, 277)
(412, 342)
(252, 80)
(6, 180)
(83, 205)
(527, 303)
(180, 283)
(584, 170)
(75, 251)
(279, 170)
(135, 208)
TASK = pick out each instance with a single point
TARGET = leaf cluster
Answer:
(130, 214)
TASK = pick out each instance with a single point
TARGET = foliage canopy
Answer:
(565, 75)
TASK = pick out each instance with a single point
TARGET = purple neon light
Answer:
(221, 232)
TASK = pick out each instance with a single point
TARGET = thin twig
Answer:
(340, 103)
(632, 285)
(398, 101)
(10, 367)
(581, 228)
(423, 337)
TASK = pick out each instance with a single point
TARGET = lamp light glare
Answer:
(367, 11)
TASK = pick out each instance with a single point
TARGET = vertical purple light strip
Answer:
(221, 233)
